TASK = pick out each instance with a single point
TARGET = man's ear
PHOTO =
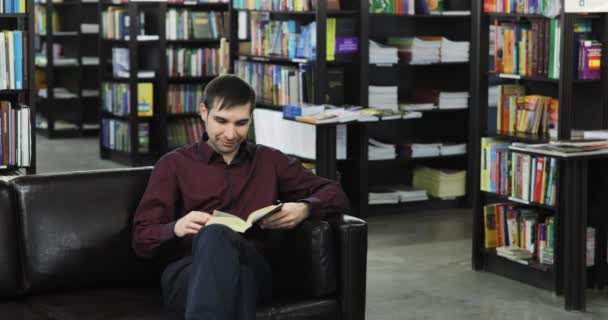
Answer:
(204, 111)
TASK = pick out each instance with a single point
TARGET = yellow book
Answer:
(21, 6)
(489, 218)
(239, 225)
(145, 99)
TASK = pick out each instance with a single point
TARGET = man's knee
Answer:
(215, 235)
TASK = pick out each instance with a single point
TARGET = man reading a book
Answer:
(212, 271)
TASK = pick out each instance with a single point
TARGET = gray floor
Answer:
(418, 263)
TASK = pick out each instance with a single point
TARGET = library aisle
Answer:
(419, 264)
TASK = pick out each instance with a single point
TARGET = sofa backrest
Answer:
(10, 269)
(75, 229)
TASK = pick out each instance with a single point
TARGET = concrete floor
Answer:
(418, 263)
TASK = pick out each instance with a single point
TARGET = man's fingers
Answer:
(275, 217)
(286, 220)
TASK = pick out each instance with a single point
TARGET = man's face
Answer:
(226, 128)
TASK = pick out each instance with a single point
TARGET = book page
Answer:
(233, 222)
(261, 213)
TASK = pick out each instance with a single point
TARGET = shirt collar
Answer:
(206, 153)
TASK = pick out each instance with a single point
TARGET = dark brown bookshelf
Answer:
(81, 112)
(578, 205)
(151, 55)
(532, 263)
(448, 125)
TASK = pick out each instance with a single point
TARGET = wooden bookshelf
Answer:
(79, 111)
(577, 206)
(23, 22)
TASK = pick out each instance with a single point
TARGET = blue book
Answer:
(18, 39)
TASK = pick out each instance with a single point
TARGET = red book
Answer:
(538, 180)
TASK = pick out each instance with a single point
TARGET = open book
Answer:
(239, 225)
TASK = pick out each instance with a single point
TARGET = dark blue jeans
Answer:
(225, 278)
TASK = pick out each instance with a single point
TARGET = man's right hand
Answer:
(191, 223)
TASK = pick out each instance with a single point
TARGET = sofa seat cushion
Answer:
(19, 311)
(101, 304)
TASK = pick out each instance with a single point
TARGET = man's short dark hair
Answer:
(227, 91)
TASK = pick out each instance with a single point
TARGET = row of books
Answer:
(116, 135)
(544, 7)
(378, 150)
(283, 5)
(116, 98)
(288, 39)
(184, 98)
(519, 233)
(529, 49)
(182, 132)
(342, 41)
(279, 84)
(121, 65)
(517, 112)
(191, 2)
(13, 6)
(40, 20)
(440, 182)
(184, 24)
(517, 175)
(395, 194)
(115, 23)
(13, 71)
(197, 62)
(15, 135)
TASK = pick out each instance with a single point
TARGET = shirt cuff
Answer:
(167, 231)
(314, 204)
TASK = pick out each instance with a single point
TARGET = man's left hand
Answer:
(291, 214)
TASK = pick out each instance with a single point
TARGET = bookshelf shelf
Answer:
(420, 16)
(305, 13)
(459, 63)
(384, 163)
(197, 5)
(523, 78)
(190, 79)
(514, 16)
(518, 137)
(12, 92)
(503, 198)
(532, 264)
(194, 42)
(13, 15)
(270, 106)
(414, 206)
(271, 59)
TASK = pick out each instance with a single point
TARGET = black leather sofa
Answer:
(65, 253)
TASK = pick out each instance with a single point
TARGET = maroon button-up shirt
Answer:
(198, 178)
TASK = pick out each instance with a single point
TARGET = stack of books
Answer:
(454, 51)
(441, 183)
(514, 253)
(448, 149)
(380, 151)
(384, 97)
(426, 50)
(409, 194)
(453, 100)
(381, 54)
(404, 47)
(380, 195)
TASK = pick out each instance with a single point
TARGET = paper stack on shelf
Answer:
(417, 106)
(381, 54)
(441, 183)
(58, 93)
(380, 151)
(453, 100)
(426, 50)
(404, 47)
(454, 51)
(447, 149)
(421, 150)
(380, 195)
(409, 194)
(384, 97)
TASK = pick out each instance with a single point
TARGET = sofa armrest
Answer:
(350, 235)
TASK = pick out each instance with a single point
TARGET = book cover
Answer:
(239, 225)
